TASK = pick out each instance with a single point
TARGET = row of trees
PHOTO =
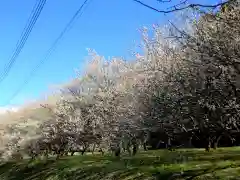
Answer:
(184, 91)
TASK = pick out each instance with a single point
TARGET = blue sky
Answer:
(108, 26)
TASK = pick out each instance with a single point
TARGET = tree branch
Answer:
(174, 8)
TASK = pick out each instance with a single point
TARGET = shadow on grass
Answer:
(194, 174)
(25, 170)
(94, 173)
(107, 167)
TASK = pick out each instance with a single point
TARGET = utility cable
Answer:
(77, 14)
(25, 34)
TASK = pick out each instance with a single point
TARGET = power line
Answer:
(24, 36)
(77, 14)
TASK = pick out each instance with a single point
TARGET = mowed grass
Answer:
(162, 164)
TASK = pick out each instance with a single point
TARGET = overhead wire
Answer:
(68, 26)
(38, 7)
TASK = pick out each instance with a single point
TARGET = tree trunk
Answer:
(159, 142)
(72, 153)
(128, 149)
(83, 151)
(101, 151)
(190, 142)
(215, 145)
(46, 154)
(58, 156)
(135, 146)
(145, 146)
(169, 144)
(94, 145)
(117, 152)
(61, 153)
(134, 149)
(208, 145)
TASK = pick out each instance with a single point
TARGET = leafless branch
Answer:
(175, 8)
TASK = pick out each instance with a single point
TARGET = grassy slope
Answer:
(182, 164)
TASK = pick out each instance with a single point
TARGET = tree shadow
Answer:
(26, 170)
(94, 173)
(194, 174)
(109, 167)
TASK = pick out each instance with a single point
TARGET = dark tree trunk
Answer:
(46, 154)
(101, 151)
(190, 142)
(145, 146)
(83, 151)
(117, 152)
(128, 149)
(215, 144)
(134, 149)
(58, 156)
(135, 146)
(93, 148)
(32, 154)
(169, 144)
(158, 144)
(208, 144)
(61, 153)
(72, 153)
(58, 152)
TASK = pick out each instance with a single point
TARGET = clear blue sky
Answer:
(108, 26)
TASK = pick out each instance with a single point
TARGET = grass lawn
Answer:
(161, 164)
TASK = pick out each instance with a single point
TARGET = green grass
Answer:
(162, 164)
